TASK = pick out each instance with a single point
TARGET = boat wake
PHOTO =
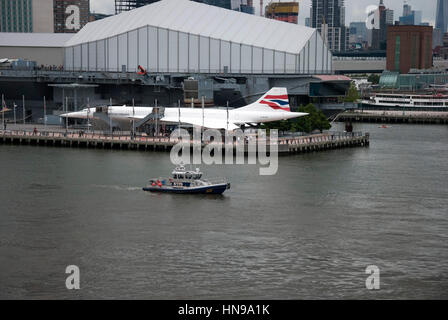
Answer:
(117, 187)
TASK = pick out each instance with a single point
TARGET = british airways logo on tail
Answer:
(277, 102)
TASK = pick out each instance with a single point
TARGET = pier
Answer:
(286, 145)
(410, 117)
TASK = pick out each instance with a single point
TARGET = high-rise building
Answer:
(245, 6)
(283, 11)
(442, 15)
(328, 17)
(410, 17)
(358, 33)
(26, 16)
(70, 15)
(389, 17)
(43, 16)
(407, 9)
(437, 38)
(379, 35)
(126, 5)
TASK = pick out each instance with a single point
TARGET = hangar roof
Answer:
(201, 19)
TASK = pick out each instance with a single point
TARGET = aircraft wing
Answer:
(208, 123)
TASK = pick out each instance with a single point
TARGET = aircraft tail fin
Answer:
(274, 99)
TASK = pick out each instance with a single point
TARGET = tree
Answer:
(374, 79)
(316, 120)
(352, 94)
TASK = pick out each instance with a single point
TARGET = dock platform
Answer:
(286, 145)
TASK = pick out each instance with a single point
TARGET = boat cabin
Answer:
(181, 174)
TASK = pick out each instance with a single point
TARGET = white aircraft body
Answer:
(273, 106)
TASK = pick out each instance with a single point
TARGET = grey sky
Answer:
(355, 9)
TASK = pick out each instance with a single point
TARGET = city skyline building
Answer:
(441, 22)
(358, 34)
(245, 6)
(410, 17)
(126, 5)
(442, 15)
(70, 15)
(328, 17)
(379, 35)
(43, 16)
(26, 16)
(283, 11)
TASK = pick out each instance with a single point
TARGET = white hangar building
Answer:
(181, 36)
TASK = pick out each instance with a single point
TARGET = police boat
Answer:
(187, 182)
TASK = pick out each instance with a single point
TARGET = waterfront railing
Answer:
(105, 137)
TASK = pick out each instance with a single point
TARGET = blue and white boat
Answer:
(187, 182)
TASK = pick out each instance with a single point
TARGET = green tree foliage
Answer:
(352, 95)
(316, 120)
(374, 79)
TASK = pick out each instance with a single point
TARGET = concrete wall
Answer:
(43, 17)
(359, 66)
(43, 56)
(367, 66)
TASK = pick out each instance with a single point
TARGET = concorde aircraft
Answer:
(273, 106)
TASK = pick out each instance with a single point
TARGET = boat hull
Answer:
(214, 189)
(385, 107)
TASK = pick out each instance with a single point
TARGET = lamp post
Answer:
(157, 120)
(110, 119)
(45, 113)
(3, 112)
(24, 112)
(88, 114)
(133, 120)
(66, 111)
(15, 119)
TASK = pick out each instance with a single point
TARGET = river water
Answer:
(307, 233)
